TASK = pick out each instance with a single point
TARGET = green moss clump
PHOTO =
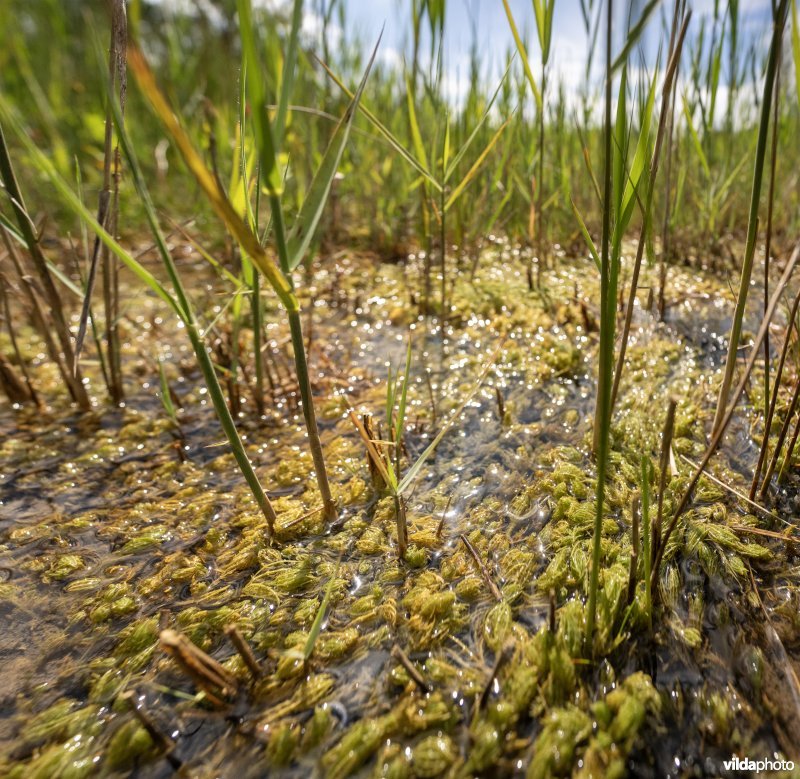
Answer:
(416, 556)
(64, 566)
(486, 748)
(138, 637)
(432, 756)
(596, 742)
(564, 731)
(470, 588)
(283, 741)
(317, 728)
(295, 578)
(357, 745)
(150, 538)
(129, 745)
(497, 625)
(334, 646)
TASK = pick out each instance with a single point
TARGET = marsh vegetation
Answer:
(351, 427)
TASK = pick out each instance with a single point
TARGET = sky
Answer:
(486, 19)
(570, 44)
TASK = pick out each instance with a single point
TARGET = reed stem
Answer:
(606, 359)
(752, 224)
(314, 443)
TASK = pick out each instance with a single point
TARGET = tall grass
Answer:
(677, 36)
(543, 16)
(602, 420)
(620, 192)
(780, 15)
(178, 301)
(381, 209)
(291, 244)
(60, 347)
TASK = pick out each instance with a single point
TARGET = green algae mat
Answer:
(152, 627)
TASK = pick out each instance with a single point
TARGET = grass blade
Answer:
(475, 166)
(288, 75)
(207, 182)
(43, 163)
(271, 175)
(585, 234)
(416, 136)
(639, 159)
(796, 48)
(385, 132)
(319, 618)
(305, 225)
(414, 470)
(634, 34)
(198, 344)
(698, 147)
(462, 151)
(752, 225)
(523, 55)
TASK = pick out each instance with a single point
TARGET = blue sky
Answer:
(366, 17)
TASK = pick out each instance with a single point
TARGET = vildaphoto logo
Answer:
(746, 764)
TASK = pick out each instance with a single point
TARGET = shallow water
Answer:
(104, 528)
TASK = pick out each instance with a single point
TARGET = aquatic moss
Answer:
(497, 625)
(485, 748)
(432, 756)
(283, 740)
(600, 740)
(104, 688)
(357, 745)
(317, 728)
(416, 556)
(215, 563)
(129, 744)
(373, 541)
(294, 578)
(564, 731)
(619, 719)
(470, 588)
(64, 566)
(66, 761)
(148, 539)
(335, 645)
(56, 722)
(428, 598)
